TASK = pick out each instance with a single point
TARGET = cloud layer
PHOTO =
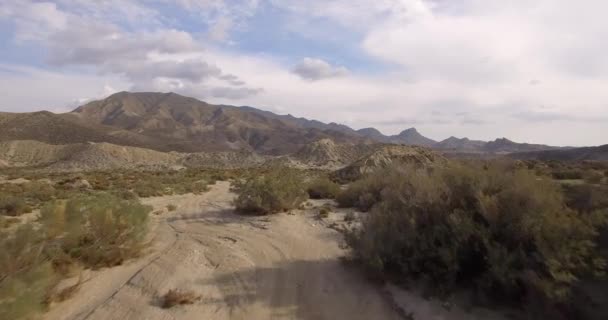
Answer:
(529, 70)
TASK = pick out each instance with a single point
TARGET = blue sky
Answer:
(532, 70)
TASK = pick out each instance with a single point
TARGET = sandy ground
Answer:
(286, 266)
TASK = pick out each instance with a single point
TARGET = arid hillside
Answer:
(172, 122)
(189, 125)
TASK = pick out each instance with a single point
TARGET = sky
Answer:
(529, 70)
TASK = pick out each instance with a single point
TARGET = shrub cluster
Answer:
(323, 188)
(366, 192)
(89, 231)
(13, 206)
(506, 233)
(572, 174)
(279, 190)
(99, 230)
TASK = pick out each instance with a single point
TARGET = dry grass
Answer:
(6, 222)
(323, 213)
(177, 297)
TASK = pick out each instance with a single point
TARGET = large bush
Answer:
(323, 188)
(89, 231)
(13, 206)
(26, 275)
(100, 230)
(366, 192)
(503, 232)
(279, 190)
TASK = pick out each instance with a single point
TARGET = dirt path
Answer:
(279, 267)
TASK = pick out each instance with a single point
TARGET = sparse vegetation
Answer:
(279, 190)
(593, 177)
(501, 232)
(323, 213)
(364, 193)
(6, 222)
(88, 231)
(97, 231)
(13, 206)
(171, 207)
(323, 188)
(176, 297)
(349, 217)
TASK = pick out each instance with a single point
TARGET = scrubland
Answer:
(521, 237)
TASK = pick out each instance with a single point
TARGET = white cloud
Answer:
(220, 31)
(477, 68)
(317, 69)
(27, 89)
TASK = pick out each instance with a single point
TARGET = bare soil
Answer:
(286, 266)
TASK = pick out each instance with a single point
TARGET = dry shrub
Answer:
(13, 206)
(171, 207)
(279, 190)
(178, 297)
(6, 222)
(323, 188)
(100, 230)
(26, 275)
(366, 192)
(323, 213)
(93, 231)
(502, 232)
(593, 177)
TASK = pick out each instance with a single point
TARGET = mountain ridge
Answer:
(172, 122)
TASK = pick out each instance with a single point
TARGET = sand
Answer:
(285, 266)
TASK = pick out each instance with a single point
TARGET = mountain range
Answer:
(172, 122)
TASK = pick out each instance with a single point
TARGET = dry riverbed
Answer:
(285, 266)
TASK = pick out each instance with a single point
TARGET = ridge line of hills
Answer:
(171, 122)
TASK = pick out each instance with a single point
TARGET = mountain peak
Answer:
(411, 136)
(410, 131)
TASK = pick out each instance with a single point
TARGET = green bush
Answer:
(323, 188)
(100, 230)
(323, 213)
(39, 191)
(586, 197)
(279, 190)
(593, 177)
(364, 193)
(505, 233)
(26, 276)
(13, 206)
(574, 174)
(146, 189)
(199, 187)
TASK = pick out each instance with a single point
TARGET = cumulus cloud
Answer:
(149, 59)
(317, 69)
(466, 68)
(234, 93)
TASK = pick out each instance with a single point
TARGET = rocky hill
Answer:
(387, 155)
(326, 153)
(82, 156)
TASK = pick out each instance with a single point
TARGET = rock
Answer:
(81, 184)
